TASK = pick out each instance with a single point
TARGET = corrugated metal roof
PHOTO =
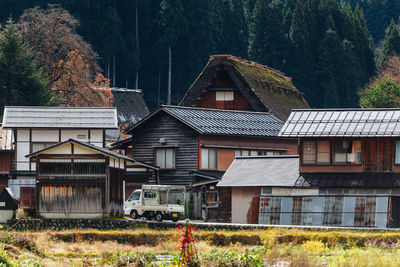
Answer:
(262, 171)
(227, 122)
(349, 180)
(342, 123)
(60, 117)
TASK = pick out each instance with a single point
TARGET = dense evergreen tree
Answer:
(290, 35)
(21, 83)
(391, 44)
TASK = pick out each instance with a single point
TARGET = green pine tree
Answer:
(21, 83)
(391, 44)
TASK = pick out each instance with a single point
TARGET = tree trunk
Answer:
(137, 45)
(169, 75)
(159, 86)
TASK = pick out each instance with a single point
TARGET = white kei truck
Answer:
(160, 202)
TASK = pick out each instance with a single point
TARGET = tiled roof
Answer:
(349, 180)
(60, 117)
(342, 123)
(262, 171)
(227, 122)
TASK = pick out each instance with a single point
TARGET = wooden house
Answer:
(36, 128)
(195, 146)
(8, 205)
(349, 167)
(229, 82)
(79, 180)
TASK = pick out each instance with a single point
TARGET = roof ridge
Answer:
(251, 63)
(216, 109)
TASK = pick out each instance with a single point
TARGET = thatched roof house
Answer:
(130, 105)
(229, 82)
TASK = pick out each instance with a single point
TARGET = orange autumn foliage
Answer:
(68, 62)
(74, 85)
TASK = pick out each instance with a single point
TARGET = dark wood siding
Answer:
(5, 161)
(377, 156)
(70, 198)
(116, 198)
(222, 81)
(146, 138)
(207, 99)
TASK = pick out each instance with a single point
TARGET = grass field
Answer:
(146, 247)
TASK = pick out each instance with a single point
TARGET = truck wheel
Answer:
(134, 214)
(159, 217)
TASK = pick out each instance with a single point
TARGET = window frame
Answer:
(173, 157)
(316, 153)
(346, 163)
(395, 152)
(208, 165)
(224, 96)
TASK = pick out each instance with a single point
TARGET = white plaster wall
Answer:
(23, 149)
(241, 200)
(68, 134)
(45, 135)
(63, 149)
(22, 135)
(82, 150)
(96, 136)
(6, 215)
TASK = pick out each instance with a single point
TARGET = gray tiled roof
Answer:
(342, 123)
(262, 171)
(227, 122)
(60, 117)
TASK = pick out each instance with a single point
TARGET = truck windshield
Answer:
(134, 196)
(176, 197)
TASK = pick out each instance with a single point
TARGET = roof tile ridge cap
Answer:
(217, 109)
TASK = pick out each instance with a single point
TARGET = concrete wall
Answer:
(241, 200)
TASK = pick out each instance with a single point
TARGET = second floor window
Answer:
(316, 152)
(224, 96)
(165, 158)
(347, 151)
(208, 158)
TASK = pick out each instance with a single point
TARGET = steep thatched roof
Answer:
(130, 105)
(266, 89)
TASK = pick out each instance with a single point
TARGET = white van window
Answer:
(134, 196)
(149, 195)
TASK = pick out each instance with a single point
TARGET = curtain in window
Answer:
(309, 152)
(323, 152)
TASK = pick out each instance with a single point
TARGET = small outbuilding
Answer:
(8, 205)
(79, 180)
(254, 180)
